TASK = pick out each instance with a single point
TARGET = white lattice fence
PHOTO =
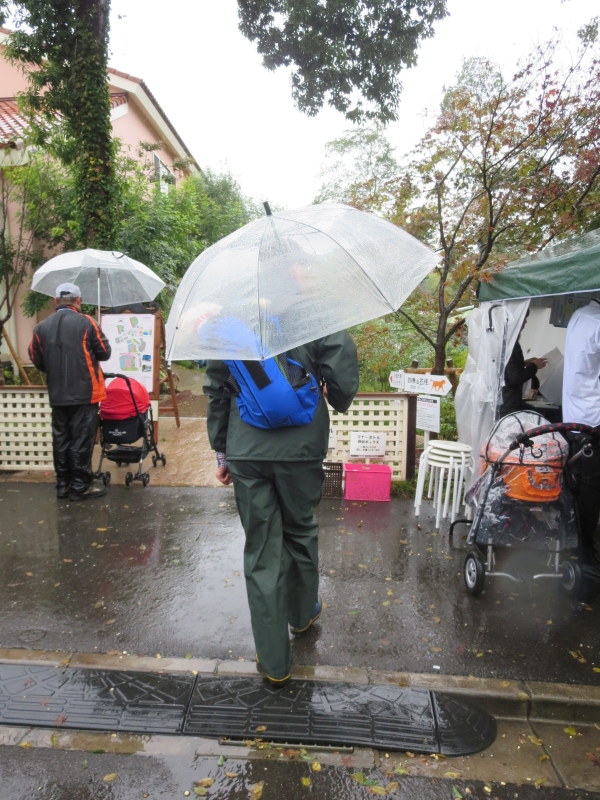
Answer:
(25, 428)
(377, 413)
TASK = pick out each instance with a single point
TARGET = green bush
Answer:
(448, 429)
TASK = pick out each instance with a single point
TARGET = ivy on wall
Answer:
(62, 45)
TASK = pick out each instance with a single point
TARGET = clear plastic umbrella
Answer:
(105, 277)
(289, 278)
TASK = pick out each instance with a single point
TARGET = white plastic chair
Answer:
(448, 465)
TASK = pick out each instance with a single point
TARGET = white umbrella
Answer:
(291, 277)
(105, 277)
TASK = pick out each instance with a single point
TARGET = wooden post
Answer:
(174, 408)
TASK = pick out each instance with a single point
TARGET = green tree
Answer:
(67, 44)
(16, 244)
(510, 166)
(346, 52)
(365, 159)
(166, 231)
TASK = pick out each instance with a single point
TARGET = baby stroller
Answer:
(524, 499)
(125, 419)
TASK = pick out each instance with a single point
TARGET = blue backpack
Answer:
(275, 393)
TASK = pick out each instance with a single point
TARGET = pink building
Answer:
(136, 117)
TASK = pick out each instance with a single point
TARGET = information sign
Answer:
(133, 343)
(428, 413)
(366, 445)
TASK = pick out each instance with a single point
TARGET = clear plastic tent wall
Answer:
(493, 330)
(291, 277)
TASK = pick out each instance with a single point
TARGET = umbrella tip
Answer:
(267, 209)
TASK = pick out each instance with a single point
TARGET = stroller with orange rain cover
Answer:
(127, 428)
(525, 499)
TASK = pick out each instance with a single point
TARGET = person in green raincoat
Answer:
(277, 476)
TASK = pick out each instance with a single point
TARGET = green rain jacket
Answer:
(331, 359)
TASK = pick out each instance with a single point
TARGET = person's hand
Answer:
(223, 476)
(540, 362)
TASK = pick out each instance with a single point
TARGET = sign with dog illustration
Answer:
(420, 383)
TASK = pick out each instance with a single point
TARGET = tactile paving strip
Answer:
(388, 717)
(303, 712)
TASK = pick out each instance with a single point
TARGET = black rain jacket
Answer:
(67, 347)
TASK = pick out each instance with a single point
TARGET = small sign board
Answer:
(428, 413)
(367, 445)
(426, 384)
(135, 342)
(332, 443)
(397, 379)
(419, 383)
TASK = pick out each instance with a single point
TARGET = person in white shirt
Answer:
(581, 403)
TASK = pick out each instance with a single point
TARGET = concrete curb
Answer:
(504, 699)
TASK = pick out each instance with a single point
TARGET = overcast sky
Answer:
(236, 116)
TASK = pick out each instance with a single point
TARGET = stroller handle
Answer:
(555, 427)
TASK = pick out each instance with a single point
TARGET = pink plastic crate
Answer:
(367, 481)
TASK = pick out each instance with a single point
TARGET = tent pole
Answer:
(98, 312)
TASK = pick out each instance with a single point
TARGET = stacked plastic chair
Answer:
(448, 466)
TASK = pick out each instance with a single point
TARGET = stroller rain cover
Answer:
(119, 403)
(521, 495)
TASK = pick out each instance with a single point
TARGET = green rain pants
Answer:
(276, 501)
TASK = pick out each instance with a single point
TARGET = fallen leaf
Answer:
(578, 656)
(456, 794)
(204, 782)
(570, 731)
(200, 791)
(110, 777)
(593, 758)
(256, 790)
(400, 770)
(315, 766)
(25, 745)
(535, 740)
(231, 774)
(452, 774)
(305, 781)
(376, 790)
(260, 728)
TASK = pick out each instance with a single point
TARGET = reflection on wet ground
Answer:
(160, 572)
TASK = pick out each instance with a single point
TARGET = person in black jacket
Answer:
(67, 347)
(517, 372)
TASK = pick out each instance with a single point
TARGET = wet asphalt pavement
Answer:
(157, 572)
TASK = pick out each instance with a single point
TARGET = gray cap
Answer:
(67, 290)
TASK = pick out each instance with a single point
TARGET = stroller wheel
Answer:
(145, 479)
(163, 458)
(154, 460)
(474, 573)
(128, 479)
(106, 478)
(572, 577)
